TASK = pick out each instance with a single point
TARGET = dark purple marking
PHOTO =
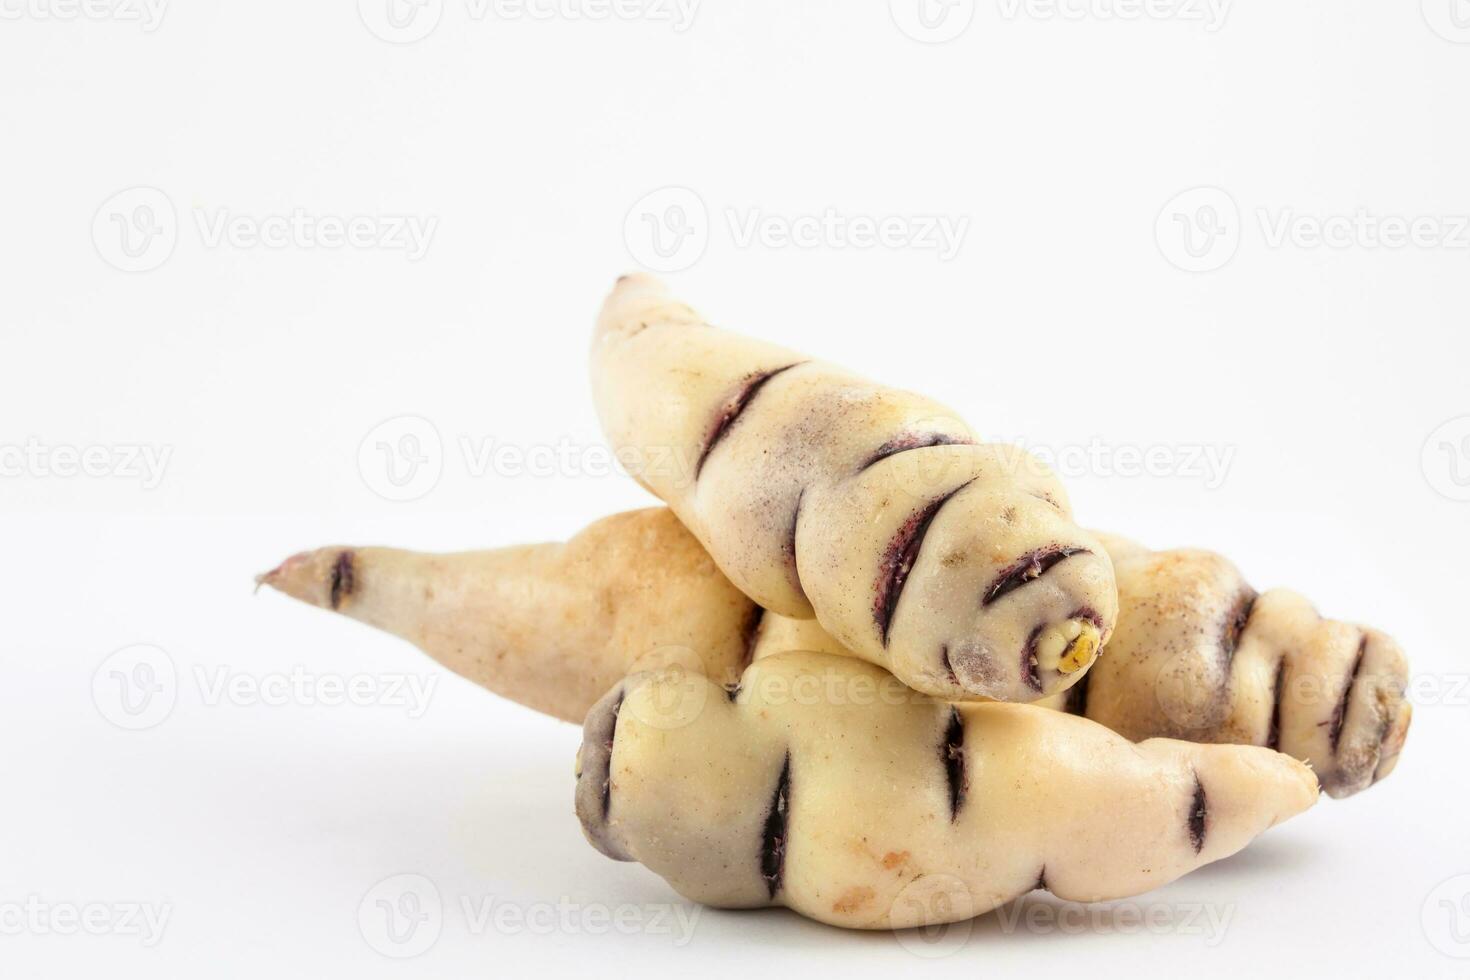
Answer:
(898, 560)
(1028, 568)
(731, 412)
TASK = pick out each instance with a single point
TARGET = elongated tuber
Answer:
(1198, 654)
(952, 563)
(551, 626)
(824, 785)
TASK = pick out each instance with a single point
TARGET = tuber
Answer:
(824, 785)
(952, 563)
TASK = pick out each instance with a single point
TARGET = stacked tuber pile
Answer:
(864, 661)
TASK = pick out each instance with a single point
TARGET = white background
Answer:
(1066, 319)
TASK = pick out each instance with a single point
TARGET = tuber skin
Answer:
(551, 626)
(546, 624)
(1198, 654)
(952, 563)
(824, 785)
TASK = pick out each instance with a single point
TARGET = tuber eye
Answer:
(730, 414)
(773, 837)
(343, 579)
(903, 443)
(1236, 622)
(1339, 713)
(952, 754)
(1028, 568)
(1273, 735)
(1199, 809)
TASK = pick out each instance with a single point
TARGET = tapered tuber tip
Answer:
(324, 578)
(1251, 789)
(636, 301)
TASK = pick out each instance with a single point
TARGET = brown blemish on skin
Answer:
(853, 899)
(1042, 495)
(894, 859)
(343, 579)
